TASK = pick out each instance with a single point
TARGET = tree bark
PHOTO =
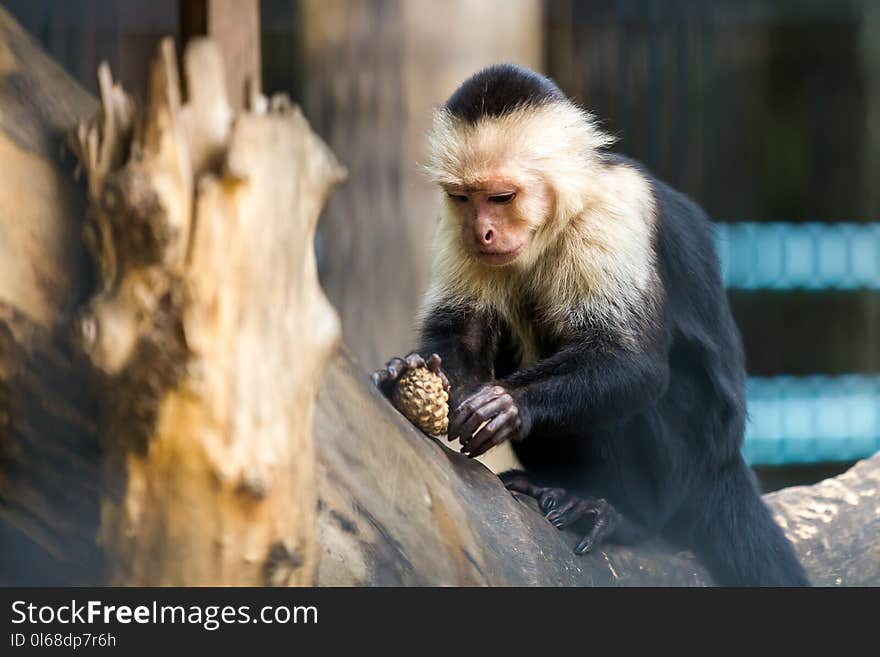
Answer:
(195, 365)
(207, 356)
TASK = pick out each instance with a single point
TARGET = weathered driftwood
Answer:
(212, 457)
(209, 329)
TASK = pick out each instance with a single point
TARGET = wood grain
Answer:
(208, 330)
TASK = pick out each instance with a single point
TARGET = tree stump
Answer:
(208, 332)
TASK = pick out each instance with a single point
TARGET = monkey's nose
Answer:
(487, 237)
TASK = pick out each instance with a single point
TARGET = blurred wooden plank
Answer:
(235, 24)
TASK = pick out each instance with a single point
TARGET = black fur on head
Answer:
(500, 89)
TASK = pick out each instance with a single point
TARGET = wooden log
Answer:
(208, 356)
(400, 508)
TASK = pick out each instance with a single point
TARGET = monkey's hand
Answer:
(386, 379)
(487, 418)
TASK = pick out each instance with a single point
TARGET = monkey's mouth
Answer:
(499, 258)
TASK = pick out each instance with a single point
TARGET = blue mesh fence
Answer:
(812, 256)
(813, 418)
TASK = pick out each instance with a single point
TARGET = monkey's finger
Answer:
(464, 410)
(467, 408)
(500, 437)
(518, 433)
(494, 441)
(469, 441)
(480, 397)
(433, 364)
(396, 367)
(414, 360)
(483, 414)
(499, 428)
(382, 380)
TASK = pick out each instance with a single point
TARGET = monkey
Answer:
(576, 309)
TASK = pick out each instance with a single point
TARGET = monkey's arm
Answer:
(467, 342)
(566, 391)
(576, 386)
(458, 344)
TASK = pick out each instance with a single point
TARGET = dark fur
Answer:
(499, 89)
(658, 432)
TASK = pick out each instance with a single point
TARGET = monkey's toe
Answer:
(551, 498)
(568, 512)
(516, 481)
(604, 524)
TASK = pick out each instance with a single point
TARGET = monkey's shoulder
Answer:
(683, 229)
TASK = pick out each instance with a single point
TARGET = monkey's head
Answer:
(511, 155)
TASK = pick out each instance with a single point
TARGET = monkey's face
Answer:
(497, 218)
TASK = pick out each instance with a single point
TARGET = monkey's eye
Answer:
(502, 198)
(458, 198)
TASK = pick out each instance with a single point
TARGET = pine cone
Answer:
(420, 396)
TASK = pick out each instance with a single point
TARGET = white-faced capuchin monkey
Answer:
(576, 309)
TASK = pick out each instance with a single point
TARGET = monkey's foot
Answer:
(564, 509)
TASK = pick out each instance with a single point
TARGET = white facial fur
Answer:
(591, 260)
